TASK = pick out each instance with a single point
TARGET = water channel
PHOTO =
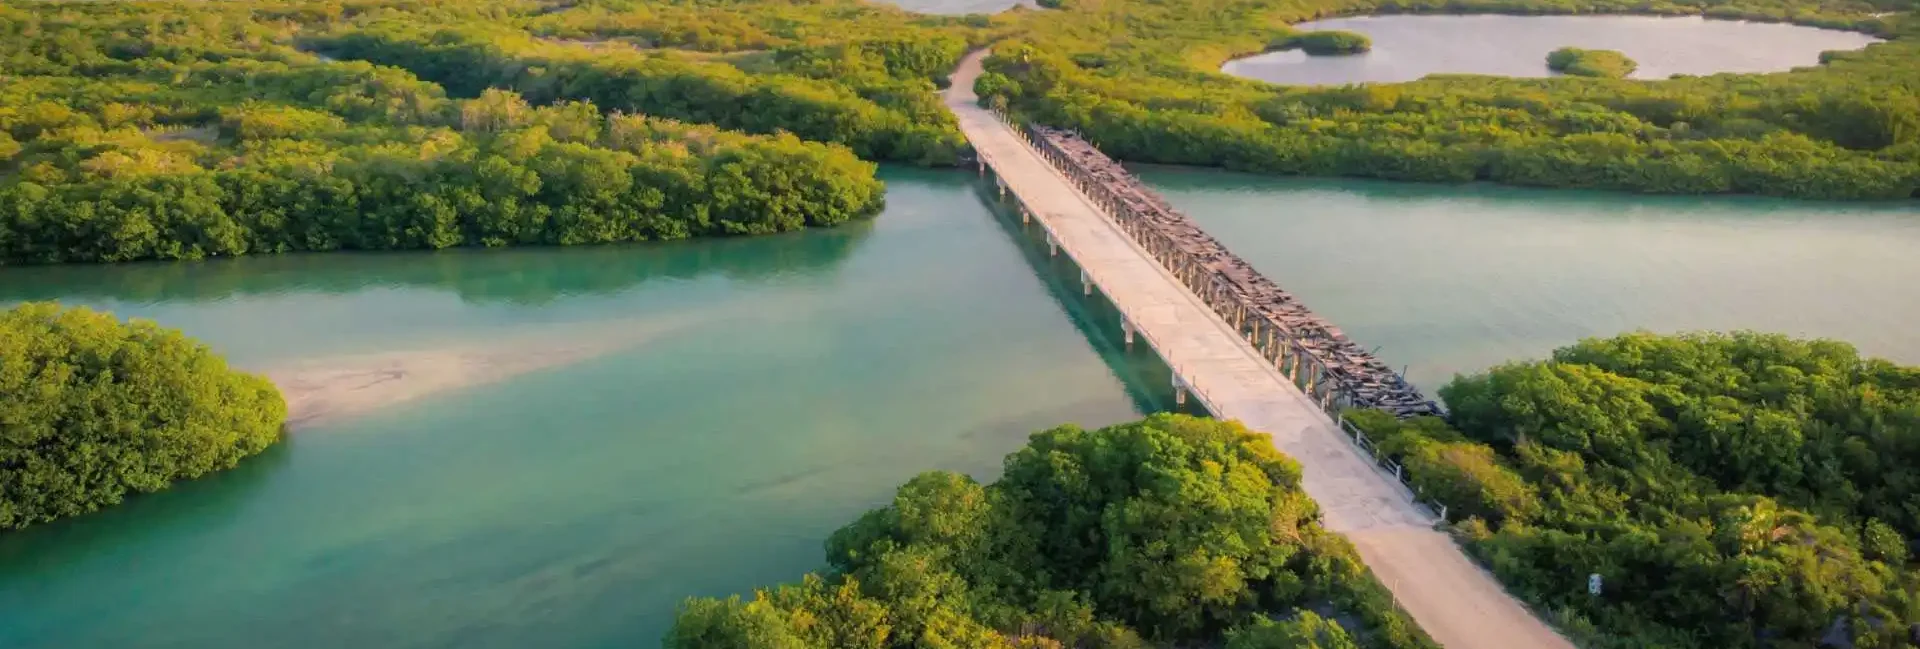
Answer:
(743, 398)
(1448, 279)
(1406, 48)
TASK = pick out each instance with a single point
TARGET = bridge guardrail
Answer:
(1289, 356)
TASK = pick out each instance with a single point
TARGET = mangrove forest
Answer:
(1729, 490)
(1590, 63)
(1142, 79)
(93, 410)
(1170, 531)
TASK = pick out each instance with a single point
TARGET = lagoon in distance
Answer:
(1406, 48)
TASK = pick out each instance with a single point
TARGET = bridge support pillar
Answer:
(1053, 247)
(1026, 215)
(1179, 391)
(1126, 332)
(1002, 184)
(1086, 283)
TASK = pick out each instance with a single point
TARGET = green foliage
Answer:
(1590, 63)
(92, 410)
(280, 175)
(1729, 488)
(1306, 630)
(1469, 477)
(1175, 529)
(1849, 129)
(134, 131)
(1330, 42)
(874, 96)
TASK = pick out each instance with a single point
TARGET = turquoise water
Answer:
(746, 397)
(802, 378)
(1447, 279)
(1406, 48)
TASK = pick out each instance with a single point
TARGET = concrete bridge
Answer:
(1249, 352)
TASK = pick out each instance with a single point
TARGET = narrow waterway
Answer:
(737, 401)
(1452, 279)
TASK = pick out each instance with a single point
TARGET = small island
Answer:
(1331, 42)
(96, 410)
(1607, 64)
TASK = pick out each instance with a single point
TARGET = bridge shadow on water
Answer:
(1147, 377)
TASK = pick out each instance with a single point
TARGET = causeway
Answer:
(1227, 368)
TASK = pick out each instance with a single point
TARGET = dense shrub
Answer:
(490, 171)
(1590, 63)
(1328, 42)
(92, 410)
(174, 130)
(1174, 530)
(875, 97)
(1738, 490)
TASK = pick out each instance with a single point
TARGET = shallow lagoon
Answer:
(1406, 48)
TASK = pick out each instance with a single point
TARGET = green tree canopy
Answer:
(177, 130)
(92, 409)
(1169, 530)
(1732, 490)
(1590, 63)
(1327, 42)
(1143, 79)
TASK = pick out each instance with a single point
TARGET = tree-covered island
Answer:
(93, 410)
(1331, 42)
(1171, 531)
(1590, 63)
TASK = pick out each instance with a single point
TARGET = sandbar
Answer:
(325, 389)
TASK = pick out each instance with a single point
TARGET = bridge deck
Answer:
(1457, 603)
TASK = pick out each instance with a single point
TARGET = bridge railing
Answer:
(1290, 356)
(1181, 379)
(1286, 352)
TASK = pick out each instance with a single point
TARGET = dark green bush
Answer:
(172, 130)
(1849, 129)
(512, 174)
(1732, 490)
(1607, 64)
(92, 410)
(1179, 530)
(1328, 42)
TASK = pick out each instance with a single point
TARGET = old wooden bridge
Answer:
(1248, 351)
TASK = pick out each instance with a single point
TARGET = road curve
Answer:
(1459, 604)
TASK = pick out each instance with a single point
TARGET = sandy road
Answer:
(1460, 605)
